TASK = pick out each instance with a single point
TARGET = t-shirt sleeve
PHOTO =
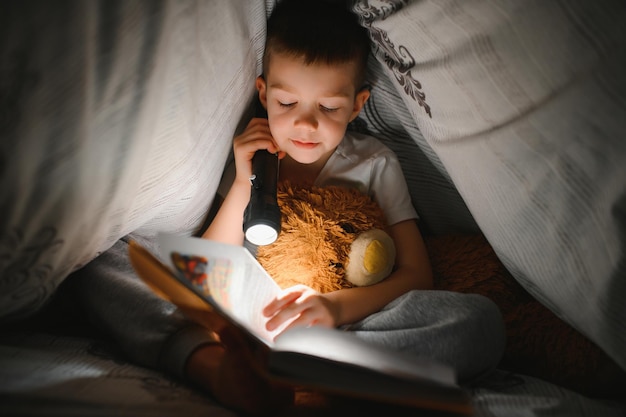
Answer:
(389, 189)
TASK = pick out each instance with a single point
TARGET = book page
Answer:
(226, 275)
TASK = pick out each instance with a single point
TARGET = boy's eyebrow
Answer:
(330, 94)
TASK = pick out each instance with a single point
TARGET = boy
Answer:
(312, 87)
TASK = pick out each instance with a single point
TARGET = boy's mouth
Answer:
(304, 144)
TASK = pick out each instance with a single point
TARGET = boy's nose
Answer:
(306, 119)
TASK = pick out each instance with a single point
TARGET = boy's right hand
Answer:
(227, 224)
(256, 136)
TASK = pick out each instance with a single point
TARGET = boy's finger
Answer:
(280, 302)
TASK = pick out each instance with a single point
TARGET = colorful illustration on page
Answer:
(211, 276)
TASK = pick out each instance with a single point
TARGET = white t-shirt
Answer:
(363, 162)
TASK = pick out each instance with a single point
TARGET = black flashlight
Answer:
(261, 221)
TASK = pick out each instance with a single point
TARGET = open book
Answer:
(208, 279)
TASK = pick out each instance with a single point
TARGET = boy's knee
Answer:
(485, 309)
(487, 331)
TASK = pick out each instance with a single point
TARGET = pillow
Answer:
(521, 105)
(385, 116)
(119, 119)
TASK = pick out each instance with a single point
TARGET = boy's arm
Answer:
(227, 226)
(306, 306)
(412, 271)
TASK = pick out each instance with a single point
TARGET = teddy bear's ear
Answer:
(371, 259)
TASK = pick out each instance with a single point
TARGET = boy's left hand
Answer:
(300, 306)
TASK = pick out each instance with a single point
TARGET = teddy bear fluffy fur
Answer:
(318, 228)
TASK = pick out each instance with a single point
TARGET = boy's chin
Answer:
(305, 157)
(308, 161)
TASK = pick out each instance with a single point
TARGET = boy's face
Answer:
(309, 106)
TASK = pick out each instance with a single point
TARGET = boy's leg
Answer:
(231, 373)
(465, 331)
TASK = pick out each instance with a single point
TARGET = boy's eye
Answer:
(286, 104)
(347, 227)
(329, 109)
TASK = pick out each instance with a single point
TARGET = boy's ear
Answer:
(261, 87)
(359, 101)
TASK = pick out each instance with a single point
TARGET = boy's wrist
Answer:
(241, 182)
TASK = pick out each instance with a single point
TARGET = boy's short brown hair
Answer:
(318, 31)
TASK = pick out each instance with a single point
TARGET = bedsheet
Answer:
(44, 374)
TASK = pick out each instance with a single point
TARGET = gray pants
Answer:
(465, 331)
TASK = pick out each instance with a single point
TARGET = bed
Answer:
(118, 117)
